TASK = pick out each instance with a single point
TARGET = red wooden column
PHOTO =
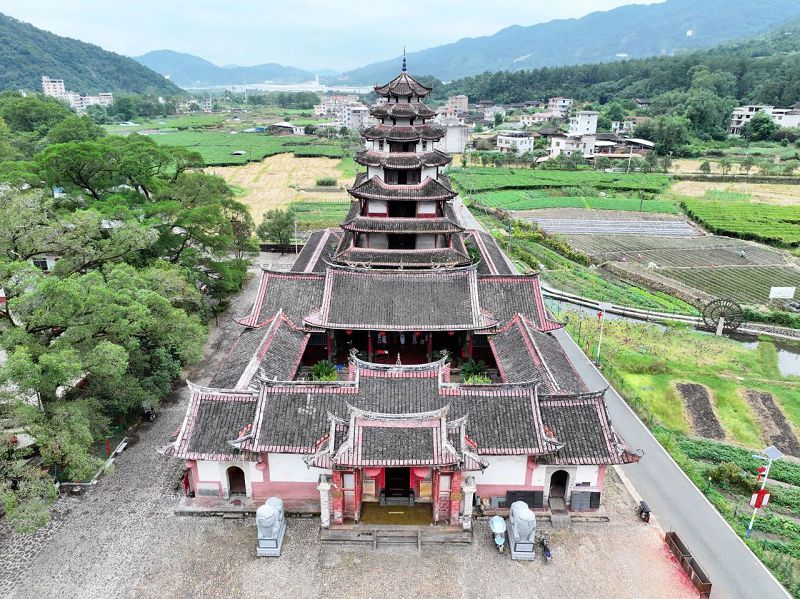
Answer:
(338, 498)
(455, 499)
(369, 346)
(430, 346)
(358, 475)
(469, 346)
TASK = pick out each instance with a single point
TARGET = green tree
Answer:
(760, 128)
(602, 163)
(74, 128)
(747, 164)
(277, 227)
(498, 119)
(26, 491)
(670, 133)
(725, 165)
(705, 168)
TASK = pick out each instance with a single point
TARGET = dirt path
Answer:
(776, 427)
(701, 413)
(276, 181)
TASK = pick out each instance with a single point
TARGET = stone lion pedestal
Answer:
(271, 526)
(521, 531)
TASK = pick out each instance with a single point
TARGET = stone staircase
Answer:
(559, 517)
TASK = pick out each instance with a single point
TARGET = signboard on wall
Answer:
(782, 292)
(425, 489)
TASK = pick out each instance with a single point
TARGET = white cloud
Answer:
(305, 33)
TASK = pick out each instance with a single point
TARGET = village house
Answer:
(401, 297)
(332, 105)
(517, 142)
(354, 116)
(457, 105)
(560, 105)
(530, 120)
(581, 137)
(56, 88)
(456, 136)
(284, 128)
(783, 117)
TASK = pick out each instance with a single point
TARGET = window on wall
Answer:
(40, 263)
(445, 482)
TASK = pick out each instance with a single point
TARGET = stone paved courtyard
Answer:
(122, 539)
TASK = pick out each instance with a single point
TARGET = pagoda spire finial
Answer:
(405, 68)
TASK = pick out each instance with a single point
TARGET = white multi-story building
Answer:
(623, 127)
(529, 120)
(518, 142)
(206, 104)
(784, 117)
(355, 116)
(560, 105)
(584, 123)
(333, 105)
(456, 134)
(55, 88)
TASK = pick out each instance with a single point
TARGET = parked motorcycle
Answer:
(548, 555)
(498, 527)
(643, 511)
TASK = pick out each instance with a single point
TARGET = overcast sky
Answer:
(311, 34)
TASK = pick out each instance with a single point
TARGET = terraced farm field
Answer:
(710, 250)
(312, 216)
(476, 180)
(574, 221)
(216, 146)
(778, 225)
(524, 199)
(744, 284)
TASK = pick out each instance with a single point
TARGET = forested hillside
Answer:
(632, 31)
(192, 71)
(763, 70)
(27, 53)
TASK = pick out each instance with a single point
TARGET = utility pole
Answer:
(761, 497)
(601, 316)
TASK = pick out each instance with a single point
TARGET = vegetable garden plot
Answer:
(744, 284)
(777, 429)
(779, 225)
(487, 179)
(675, 228)
(529, 199)
(698, 404)
(677, 252)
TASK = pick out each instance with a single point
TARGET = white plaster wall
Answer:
(426, 208)
(378, 241)
(503, 470)
(290, 467)
(375, 170)
(426, 242)
(377, 207)
(587, 474)
(428, 171)
(538, 476)
(210, 472)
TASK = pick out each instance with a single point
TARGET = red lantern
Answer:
(417, 333)
(349, 331)
(451, 333)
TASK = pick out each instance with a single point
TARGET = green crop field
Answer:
(216, 147)
(779, 225)
(523, 199)
(319, 215)
(744, 284)
(489, 179)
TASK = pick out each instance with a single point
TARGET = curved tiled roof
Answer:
(373, 188)
(402, 110)
(404, 132)
(403, 85)
(448, 223)
(402, 160)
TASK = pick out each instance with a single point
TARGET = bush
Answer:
(324, 371)
(473, 369)
(326, 182)
(477, 380)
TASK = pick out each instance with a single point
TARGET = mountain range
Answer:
(27, 53)
(630, 31)
(187, 70)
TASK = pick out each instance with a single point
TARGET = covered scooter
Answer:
(498, 527)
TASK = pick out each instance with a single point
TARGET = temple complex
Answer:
(406, 303)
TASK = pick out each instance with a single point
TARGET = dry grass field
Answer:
(277, 181)
(784, 195)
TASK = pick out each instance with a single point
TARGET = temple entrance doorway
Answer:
(398, 482)
(559, 481)
(236, 484)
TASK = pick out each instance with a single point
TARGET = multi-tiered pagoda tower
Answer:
(402, 213)
(394, 300)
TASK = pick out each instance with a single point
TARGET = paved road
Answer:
(677, 504)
